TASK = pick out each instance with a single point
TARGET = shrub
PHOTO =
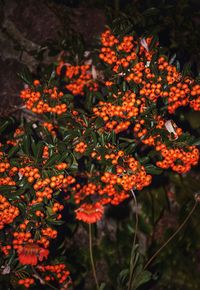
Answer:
(96, 135)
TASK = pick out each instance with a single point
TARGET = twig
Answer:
(134, 239)
(91, 257)
(41, 279)
(172, 236)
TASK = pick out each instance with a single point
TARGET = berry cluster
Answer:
(78, 78)
(42, 101)
(130, 176)
(4, 166)
(30, 172)
(154, 80)
(30, 241)
(27, 282)
(80, 147)
(178, 159)
(125, 111)
(8, 212)
(58, 271)
(50, 127)
(122, 54)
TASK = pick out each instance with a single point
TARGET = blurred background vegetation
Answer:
(33, 34)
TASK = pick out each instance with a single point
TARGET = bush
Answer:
(95, 135)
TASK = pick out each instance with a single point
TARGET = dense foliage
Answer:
(97, 135)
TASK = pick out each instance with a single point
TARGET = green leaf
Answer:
(35, 207)
(196, 142)
(21, 206)
(152, 169)
(178, 65)
(55, 222)
(61, 147)
(52, 160)
(123, 277)
(87, 132)
(124, 86)
(172, 59)
(102, 139)
(7, 188)
(186, 69)
(99, 122)
(151, 11)
(113, 137)
(39, 151)
(103, 286)
(85, 120)
(26, 146)
(4, 125)
(101, 150)
(74, 165)
(70, 135)
(26, 76)
(94, 137)
(20, 191)
(127, 139)
(142, 279)
(49, 211)
(130, 148)
(153, 42)
(144, 160)
(13, 151)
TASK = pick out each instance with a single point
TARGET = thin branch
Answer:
(134, 239)
(42, 280)
(172, 236)
(91, 257)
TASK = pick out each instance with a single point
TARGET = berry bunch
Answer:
(46, 100)
(179, 160)
(8, 212)
(79, 78)
(27, 282)
(80, 147)
(58, 271)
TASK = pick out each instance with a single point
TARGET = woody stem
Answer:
(134, 241)
(172, 236)
(41, 279)
(91, 257)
